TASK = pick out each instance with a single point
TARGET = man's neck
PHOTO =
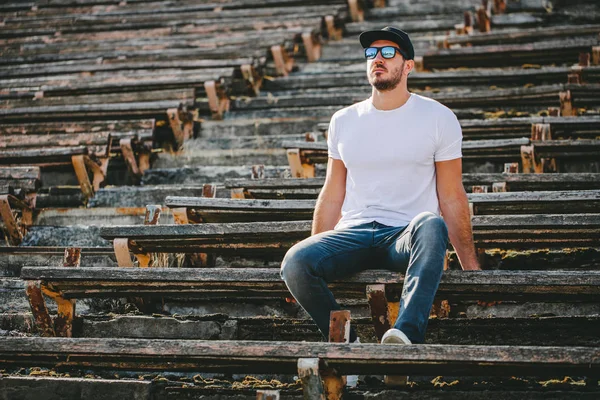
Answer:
(390, 99)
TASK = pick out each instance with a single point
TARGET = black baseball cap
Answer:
(393, 35)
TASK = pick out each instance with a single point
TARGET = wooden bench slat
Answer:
(249, 356)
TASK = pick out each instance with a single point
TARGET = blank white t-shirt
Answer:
(390, 156)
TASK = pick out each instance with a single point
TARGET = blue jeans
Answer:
(417, 250)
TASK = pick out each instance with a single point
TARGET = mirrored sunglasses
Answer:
(387, 52)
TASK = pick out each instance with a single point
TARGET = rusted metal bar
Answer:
(333, 32)
(72, 257)
(312, 46)
(217, 100)
(356, 12)
(339, 332)
(267, 394)
(121, 246)
(258, 171)
(378, 305)
(511, 168)
(283, 63)
(82, 176)
(129, 157)
(237, 193)
(596, 55)
(541, 132)
(209, 190)
(308, 372)
(566, 104)
(15, 235)
(180, 215)
(152, 214)
(499, 187)
(584, 59)
(39, 310)
(252, 78)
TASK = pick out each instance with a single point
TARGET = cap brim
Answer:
(368, 37)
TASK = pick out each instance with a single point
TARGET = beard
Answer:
(390, 83)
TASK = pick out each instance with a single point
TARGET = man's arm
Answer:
(329, 204)
(455, 210)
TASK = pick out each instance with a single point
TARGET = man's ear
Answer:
(409, 66)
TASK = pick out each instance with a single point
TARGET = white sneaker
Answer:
(352, 380)
(395, 336)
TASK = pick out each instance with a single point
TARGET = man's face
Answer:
(385, 74)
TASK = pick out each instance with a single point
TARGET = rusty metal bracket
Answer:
(299, 169)
(82, 176)
(181, 123)
(129, 157)
(541, 132)
(566, 104)
(312, 46)
(357, 14)
(252, 78)
(333, 32)
(308, 372)
(209, 190)
(217, 100)
(15, 229)
(283, 62)
(43, 322)
(121, 246)
(263, 394)
(378, 305)
(72, 257)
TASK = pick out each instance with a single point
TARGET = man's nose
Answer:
(379, 57)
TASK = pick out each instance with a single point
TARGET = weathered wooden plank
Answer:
(523, 35)
(61, 155)
(546, 52)
(20, 173)
(516, 182)
(24, 387)
(141, 127)
(248, 356)
(154, 109)
(242, 205)
(421, 80)
(23, 142)
(202, 209)
(263, 237)
(275, 183)
(28, 70)
(532, 182)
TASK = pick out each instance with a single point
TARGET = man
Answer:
(394, 164)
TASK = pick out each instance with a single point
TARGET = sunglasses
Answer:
(387, 52)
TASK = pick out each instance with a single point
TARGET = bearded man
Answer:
(394, 168)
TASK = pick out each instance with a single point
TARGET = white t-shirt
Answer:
(390, 156)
